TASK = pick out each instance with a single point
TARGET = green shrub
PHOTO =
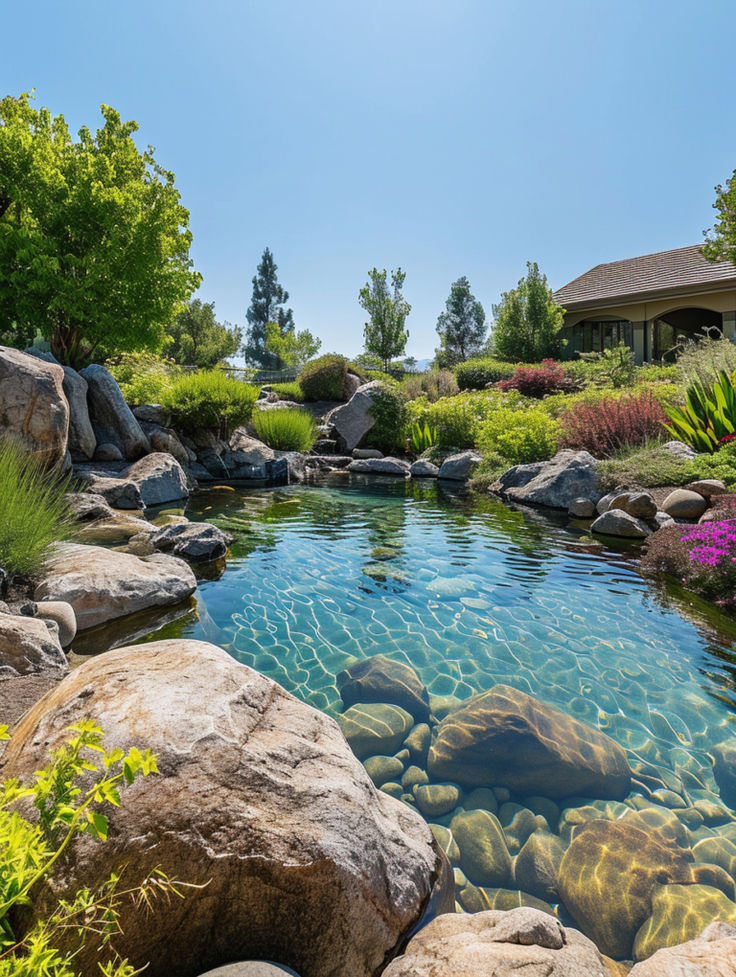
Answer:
(702, 360)
(143, 377)
(289, 391)
(210, 400)
(648, 467)
(324, 378)
(392, 417)
(433, 384)
(33, 511)
(285, 429)
(457, 419)
(478, 373)
(721, 465)
(520, 436)
(654, 373)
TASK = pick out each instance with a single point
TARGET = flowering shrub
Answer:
(703, 557)
(539, 381)
(612, 423)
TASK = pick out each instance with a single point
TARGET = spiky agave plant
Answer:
(709, 414)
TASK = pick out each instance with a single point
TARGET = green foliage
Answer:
(385, 333)
(324, 378)
(658, 373)
(615, 367)
(94, 243)
(721, 465)
(647, 467)
(289, 391)
(285, 429)
(457, 419)
(476, 374)
(528, 321)
(721, 239)
(196, 338)
(69, 794)
(433, 384)
(392, 417)
(292, 349)
(210, 400)
(702, 360)
(33, 511)
(267, 305)
(708, 416)
(520, 436)
(462, 326)
(422, 437)
(143, 378)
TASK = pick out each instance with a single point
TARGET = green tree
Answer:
(528, 321)
(385, 333)
(94, 243)
(196, 338)
(462, 326)
(266, 305)
(721, 238)
(293, 349)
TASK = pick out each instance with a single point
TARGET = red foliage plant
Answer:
(539, 381)
(612, 424)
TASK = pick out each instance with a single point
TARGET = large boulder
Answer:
(259, 799)
(507, 738)
(381, 679)
(617, 522)
(680, 913)
(684, 504)
(498, 944)
(33, 409)
(159, 477)
(27, 645)
(102, 584)
(112, 420)
(194, 541)
(354, 420)
(247, 457)
(712, 954)
(568, 476)
(82, 440)
(460, 467)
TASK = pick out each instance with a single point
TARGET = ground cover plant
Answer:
(647, 466)
(702, 557)
(33, 511)
(285, 429)
(289, 391)
(210, 399)
(457, 419)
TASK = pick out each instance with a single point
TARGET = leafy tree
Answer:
(266, 305)
(94, 243)
(196, 338)
(528, 321)
(385, 334)
(721, 239)
(462, 326)
(292, 349)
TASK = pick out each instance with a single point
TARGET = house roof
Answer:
(652, 276)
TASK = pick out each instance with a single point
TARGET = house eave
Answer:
(656, 295)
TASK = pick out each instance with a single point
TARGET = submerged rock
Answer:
(484, 855)
(259, 799)
(381, 679)
(724, 770)
(375, 728)
(505, 737)
(679, 914)
(712, 954)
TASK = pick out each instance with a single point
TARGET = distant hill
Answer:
(423, 365)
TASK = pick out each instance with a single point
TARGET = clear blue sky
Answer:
(451, 138)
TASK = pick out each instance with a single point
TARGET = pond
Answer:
(472, 594)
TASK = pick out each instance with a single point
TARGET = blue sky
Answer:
(455, 138)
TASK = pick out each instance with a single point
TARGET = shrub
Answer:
(721, 465)
(708, 416)
(143, 377)
(33, 511)
(289, 391)
(539, 381)
(285, 429)
(612, 424)
(210, 400)
(519, 436)
(458, 418)
(432, 385)
(477, 374)
(702, 360)
(702, 557)
(613, 367)
(392, 417)
(324, 378)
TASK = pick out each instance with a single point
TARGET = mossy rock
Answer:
(381, 769)
(436, 800)
(478, 899)
(381, 679)
(446, 842)
(417, 743)
(717, 851)
(413, 777)
(482, 798)
(384, 553)
(537, 866)
(484, 855)
(375, 728)
(680, 913)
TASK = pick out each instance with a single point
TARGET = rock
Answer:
(353, 420)
(86, 506)
(382, 769)
(120, 493)
(367, 453)
(108, 452)
(708, 487)
(607, 877)
(581, 509)
(82, 441)
(483, 798)
(112, 419)
(247, 456)
(296, 465)
(381, 679)
(639, 504)
(679, 914)
(569, 475)
(152, 414)
(423, 469)
(102, 584)
(505, 737)
(660, 520)
(417, 742)
(27, 646)
(33, 409)
(251, 968)
(63, 614)
(678, 449)
(159, 477)
(375, 728)
(484, 855)
(517, 477)
(352, 384)
(498, 944)
(604, 504)
(712, 954)
(616, 522)
(724, 770)
(259, 799)
(443, 705)
(413, 777)
(193, 541)
(537, 865)
(435, 800)
(380, 466)
(215, 466)
(460, 467)
(166, 440)
(683, 504)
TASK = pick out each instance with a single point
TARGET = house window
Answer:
(597, 335)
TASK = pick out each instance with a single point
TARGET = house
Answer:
(649, 303)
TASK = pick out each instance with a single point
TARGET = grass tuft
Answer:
(285, 429)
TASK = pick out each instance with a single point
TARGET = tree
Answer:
(266, 305)
(94, 243)
(462, 326)
(196, 338)
(292, 349)
(528, 321)
(721, 239)
(385, 334)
